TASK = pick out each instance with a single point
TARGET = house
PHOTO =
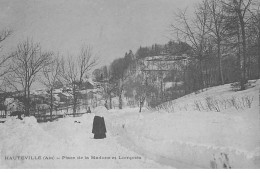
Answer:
(87, 85)
(164, 62)
(66, 89)
(40, 99)
(65, 97)
(42, 106)
(39, 92)
(57, 91)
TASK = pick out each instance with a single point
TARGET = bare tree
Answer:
(240, 8)
(142, 89)
(195, 32)
(51, 76)
(4, 66)
(255, 27)
(27, 62)
(74, 71)
(217, 29)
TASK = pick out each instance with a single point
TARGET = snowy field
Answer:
(60, 143)
(183, 134)
(183, 137)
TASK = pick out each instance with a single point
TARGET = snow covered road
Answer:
(64, 144)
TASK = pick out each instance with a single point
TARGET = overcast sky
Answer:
(112, 27)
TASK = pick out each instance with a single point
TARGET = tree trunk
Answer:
(51, 105)
(242, 24)
(110, 101)
(120, 100)
(239, 60)
(258, 60)
(120, 94)
(207, 74)
(184, 80)
(74, 101)
(220, 63)
(201, 82)
(74, 107)
(161, 88)
(27, 101)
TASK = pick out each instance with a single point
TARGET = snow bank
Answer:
(62, 142)
(204, 139)
(22, 138)
(218, 99)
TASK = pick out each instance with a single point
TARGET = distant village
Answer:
(90, 95)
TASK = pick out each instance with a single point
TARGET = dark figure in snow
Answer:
(99, 127)
(88, 111)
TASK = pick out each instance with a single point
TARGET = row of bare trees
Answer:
(218, 30)
(29, 64)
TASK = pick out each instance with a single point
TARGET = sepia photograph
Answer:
(129, 84)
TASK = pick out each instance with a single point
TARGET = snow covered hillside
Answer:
(216, 128)
(182, 136)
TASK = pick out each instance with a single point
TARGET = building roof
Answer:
(166, 58)
(65, 94)
(56, 91)
(164, 63)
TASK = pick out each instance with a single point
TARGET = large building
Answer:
(164, 62)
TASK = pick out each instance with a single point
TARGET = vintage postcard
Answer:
(129, 84)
